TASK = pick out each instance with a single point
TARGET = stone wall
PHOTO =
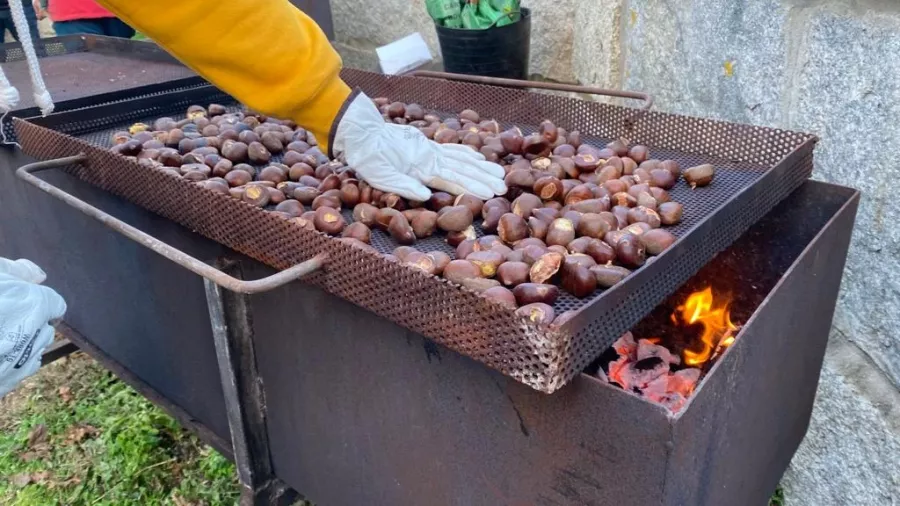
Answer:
(831, 67)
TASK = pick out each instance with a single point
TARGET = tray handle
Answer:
(179, 257)
(518, 83)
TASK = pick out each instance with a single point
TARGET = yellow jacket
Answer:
(265, 53)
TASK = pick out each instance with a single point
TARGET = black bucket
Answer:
(494, 52)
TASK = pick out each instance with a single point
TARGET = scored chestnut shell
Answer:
(525, 204)
(546, 267)
(488, 261)
(511, 228)
(549, 188)
(329, 220)
(561, 232)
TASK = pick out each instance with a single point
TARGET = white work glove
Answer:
(400, 159)
(26, 309)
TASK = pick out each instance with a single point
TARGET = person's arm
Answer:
(266, 53)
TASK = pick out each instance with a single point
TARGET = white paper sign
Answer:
(404, 55)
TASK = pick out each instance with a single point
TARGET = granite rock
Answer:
(847, 92)
(724, 59)
(852, 448)
(552, 35)
(597, 49)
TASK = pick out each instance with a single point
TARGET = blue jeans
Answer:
(6, 22)
(111, 27)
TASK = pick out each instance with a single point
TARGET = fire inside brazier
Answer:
(666, 366)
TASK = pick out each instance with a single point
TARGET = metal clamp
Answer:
(517, 83)
(179, 257)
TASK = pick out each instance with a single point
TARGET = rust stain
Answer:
(634, 17)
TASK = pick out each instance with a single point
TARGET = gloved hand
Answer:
(26, 307)
(400, 159)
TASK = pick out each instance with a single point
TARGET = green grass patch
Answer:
(75, 435)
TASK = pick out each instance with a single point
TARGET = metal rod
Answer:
(245, 405)
(517, 83)
(58, 350)
(181, 258)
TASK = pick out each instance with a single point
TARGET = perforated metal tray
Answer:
(756, 168)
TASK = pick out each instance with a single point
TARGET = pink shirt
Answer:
(69, 10)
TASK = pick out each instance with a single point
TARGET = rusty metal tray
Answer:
(757, 167)
(88, 70)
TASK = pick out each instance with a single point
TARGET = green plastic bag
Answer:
(470, 17)
(488, 12)
(509, 11)
(440, 10)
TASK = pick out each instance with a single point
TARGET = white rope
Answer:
(9, 98)
(41, 96)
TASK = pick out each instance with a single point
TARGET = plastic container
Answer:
(495, 52)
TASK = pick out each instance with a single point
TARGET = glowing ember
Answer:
(644, 367)
(718, 330)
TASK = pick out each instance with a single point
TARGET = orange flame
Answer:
(718, 328)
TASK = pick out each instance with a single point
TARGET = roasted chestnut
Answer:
(357, 230)
(500, 295)
(670, 213)
(560, 232)
(578, 280)
(512, 273)
(529, 293)
(609, 275)
(291, 207)
(661, 178)
(538, 313)
(454, 238)
(424, 223)
(593, 225)
(512, 228)
(454, 218)
(421, 261)
(255, 195)
(440, 200)
(329, 220)
(384, 216)
(488, 261)
(459, 270)
(646, 215)
(656, 241)
(630, 251)
(701, 175)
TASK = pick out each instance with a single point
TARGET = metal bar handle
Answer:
(518, 83)
(179, 257)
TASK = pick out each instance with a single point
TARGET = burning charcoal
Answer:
(683, 382)
(647, 349)
(656, 389)
(673, 401)
(617, 372)
(646, 370)
(626, 347)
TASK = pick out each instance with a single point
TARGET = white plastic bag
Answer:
(26, 308)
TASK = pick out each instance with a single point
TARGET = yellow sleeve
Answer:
(265, 53)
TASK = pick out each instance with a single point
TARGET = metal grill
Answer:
(756, 168)
(86, 70)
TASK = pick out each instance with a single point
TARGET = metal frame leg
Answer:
(245, 404)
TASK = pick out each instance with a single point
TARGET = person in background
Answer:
(72, 17)
(6, 21)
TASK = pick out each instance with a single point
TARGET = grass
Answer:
(75, 435)
(777, 498)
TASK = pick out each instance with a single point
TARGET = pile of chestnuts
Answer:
(576, 217)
